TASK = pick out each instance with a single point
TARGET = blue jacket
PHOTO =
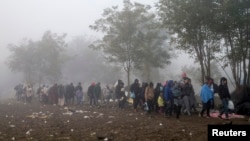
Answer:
(206, 93)
(168, 94)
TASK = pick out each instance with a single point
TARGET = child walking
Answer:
(160, 102)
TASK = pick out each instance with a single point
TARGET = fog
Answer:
(31, 18)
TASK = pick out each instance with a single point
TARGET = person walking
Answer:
(223, 92)
(135, 89)
(169, 98)
(149, 96)
(206, 96)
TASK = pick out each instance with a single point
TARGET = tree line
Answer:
(144, 38)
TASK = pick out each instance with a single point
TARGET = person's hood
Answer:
(222, 79)
(170, 83)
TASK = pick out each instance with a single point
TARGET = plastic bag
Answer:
(132, 95)
(230, 105)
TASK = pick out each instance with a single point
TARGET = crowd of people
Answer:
(174, 98)
(178, 97)
(57, 94)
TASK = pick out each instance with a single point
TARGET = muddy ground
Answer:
(37, 122)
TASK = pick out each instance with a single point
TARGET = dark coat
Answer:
(223, 90)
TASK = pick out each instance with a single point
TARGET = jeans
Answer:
(225, 107)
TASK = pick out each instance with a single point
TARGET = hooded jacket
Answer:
(206, 93)
(135, 88)
(223, 89)
(168, 94)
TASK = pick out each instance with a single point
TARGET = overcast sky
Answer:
(31, 18)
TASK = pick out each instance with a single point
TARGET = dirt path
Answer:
(37, 122)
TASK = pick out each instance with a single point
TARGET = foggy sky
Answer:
(29, 19)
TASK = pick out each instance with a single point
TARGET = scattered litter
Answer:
(30, 116)
(28, 132)
(130, 114)
(72, 130)
(100, 115)
(115, 132)
(183, 130)
(13, 138)
(79, 111)
(111, 117)
(86, 117)
(6, 116)
(40, 115)
(161, 124)
(190, 134)
(109, 122)
(92, 134)
(44, 116)
(12, 126)
(136, 118)
(68, 113)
